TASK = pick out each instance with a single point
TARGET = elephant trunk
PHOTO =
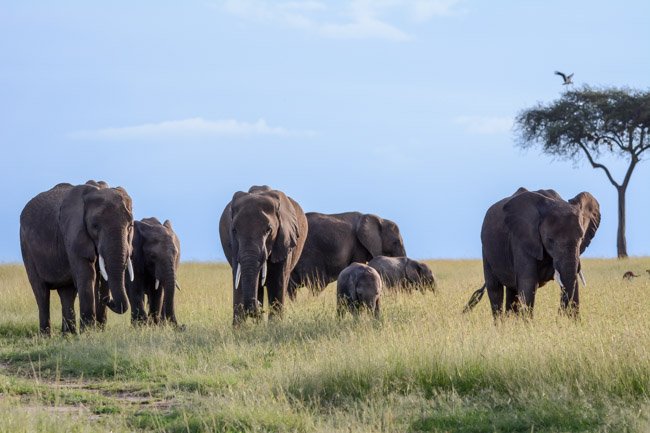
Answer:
(168, 280)
(249, 269)
(114, 256)
(567, 273)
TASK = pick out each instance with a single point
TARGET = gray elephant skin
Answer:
(358, 286)
(156, 257)
(335, 241)
(531, 238)
(403, 273)
(263, 232)
(67, 235)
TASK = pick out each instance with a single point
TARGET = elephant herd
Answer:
(82, 241)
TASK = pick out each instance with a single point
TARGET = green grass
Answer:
(424, 368)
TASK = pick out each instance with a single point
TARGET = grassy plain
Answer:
(424, 368)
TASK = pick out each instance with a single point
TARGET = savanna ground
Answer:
(424, 368)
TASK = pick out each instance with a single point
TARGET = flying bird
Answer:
(567, 78)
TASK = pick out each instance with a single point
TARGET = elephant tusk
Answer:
(177, 285)
(558, 279)
(129, 265)
(157, 284)
(582, 278)
(263, 274)
(102, 268)
(237, 276)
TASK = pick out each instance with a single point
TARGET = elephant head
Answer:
(420, 274)
(97, 225)
(263, 230)
(160, 256)
(542, 227)
(381, 237)
(367, 291)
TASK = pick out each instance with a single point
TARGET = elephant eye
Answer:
(269, 229)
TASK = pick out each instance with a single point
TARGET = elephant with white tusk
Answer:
(531, 238)
(70, 234)
(262, 233)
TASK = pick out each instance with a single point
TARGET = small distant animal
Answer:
(629, 275)
(648, 271)
(568, 79)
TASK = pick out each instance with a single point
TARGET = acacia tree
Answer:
(592, 123)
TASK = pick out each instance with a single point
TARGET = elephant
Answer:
(335, 241)
(403, 273)
(263, 232)
(156, 256)
(530, 238)
(357, 286)
(67, 234)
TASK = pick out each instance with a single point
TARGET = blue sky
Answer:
(400, 108)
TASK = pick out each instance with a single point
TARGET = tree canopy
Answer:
(592, 122)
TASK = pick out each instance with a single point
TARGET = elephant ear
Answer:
(236, 196)
(412, 271)
(139, 236)
(589, 216)
(287, 235)
(523, 216)
(259, 188)
(72, 222)
(369, 234)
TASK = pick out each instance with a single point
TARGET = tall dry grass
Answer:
(423, 367)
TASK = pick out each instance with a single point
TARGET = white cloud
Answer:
(485, 124)
(358, 19)
(194, 127)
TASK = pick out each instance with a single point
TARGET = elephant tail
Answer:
(475, 299)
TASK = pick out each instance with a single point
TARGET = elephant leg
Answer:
(341, 306)
(136, 298)
(378, 309)
(42, 294)
(526, 289)
(68, 294)
(168, 313)
(292, 289)
(85, 283)
(155, 305)
(100, 303)
(512, 301)
(495, 293)
(276, 285)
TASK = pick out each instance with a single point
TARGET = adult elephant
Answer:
(262, 232)
(531, 238)
(66, 234)
(156, 257)
(335, 241)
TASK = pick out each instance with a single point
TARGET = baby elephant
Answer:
(403, 273)
(156, 255)
(358, 286)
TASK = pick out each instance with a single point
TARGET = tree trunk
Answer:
(621, 243)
